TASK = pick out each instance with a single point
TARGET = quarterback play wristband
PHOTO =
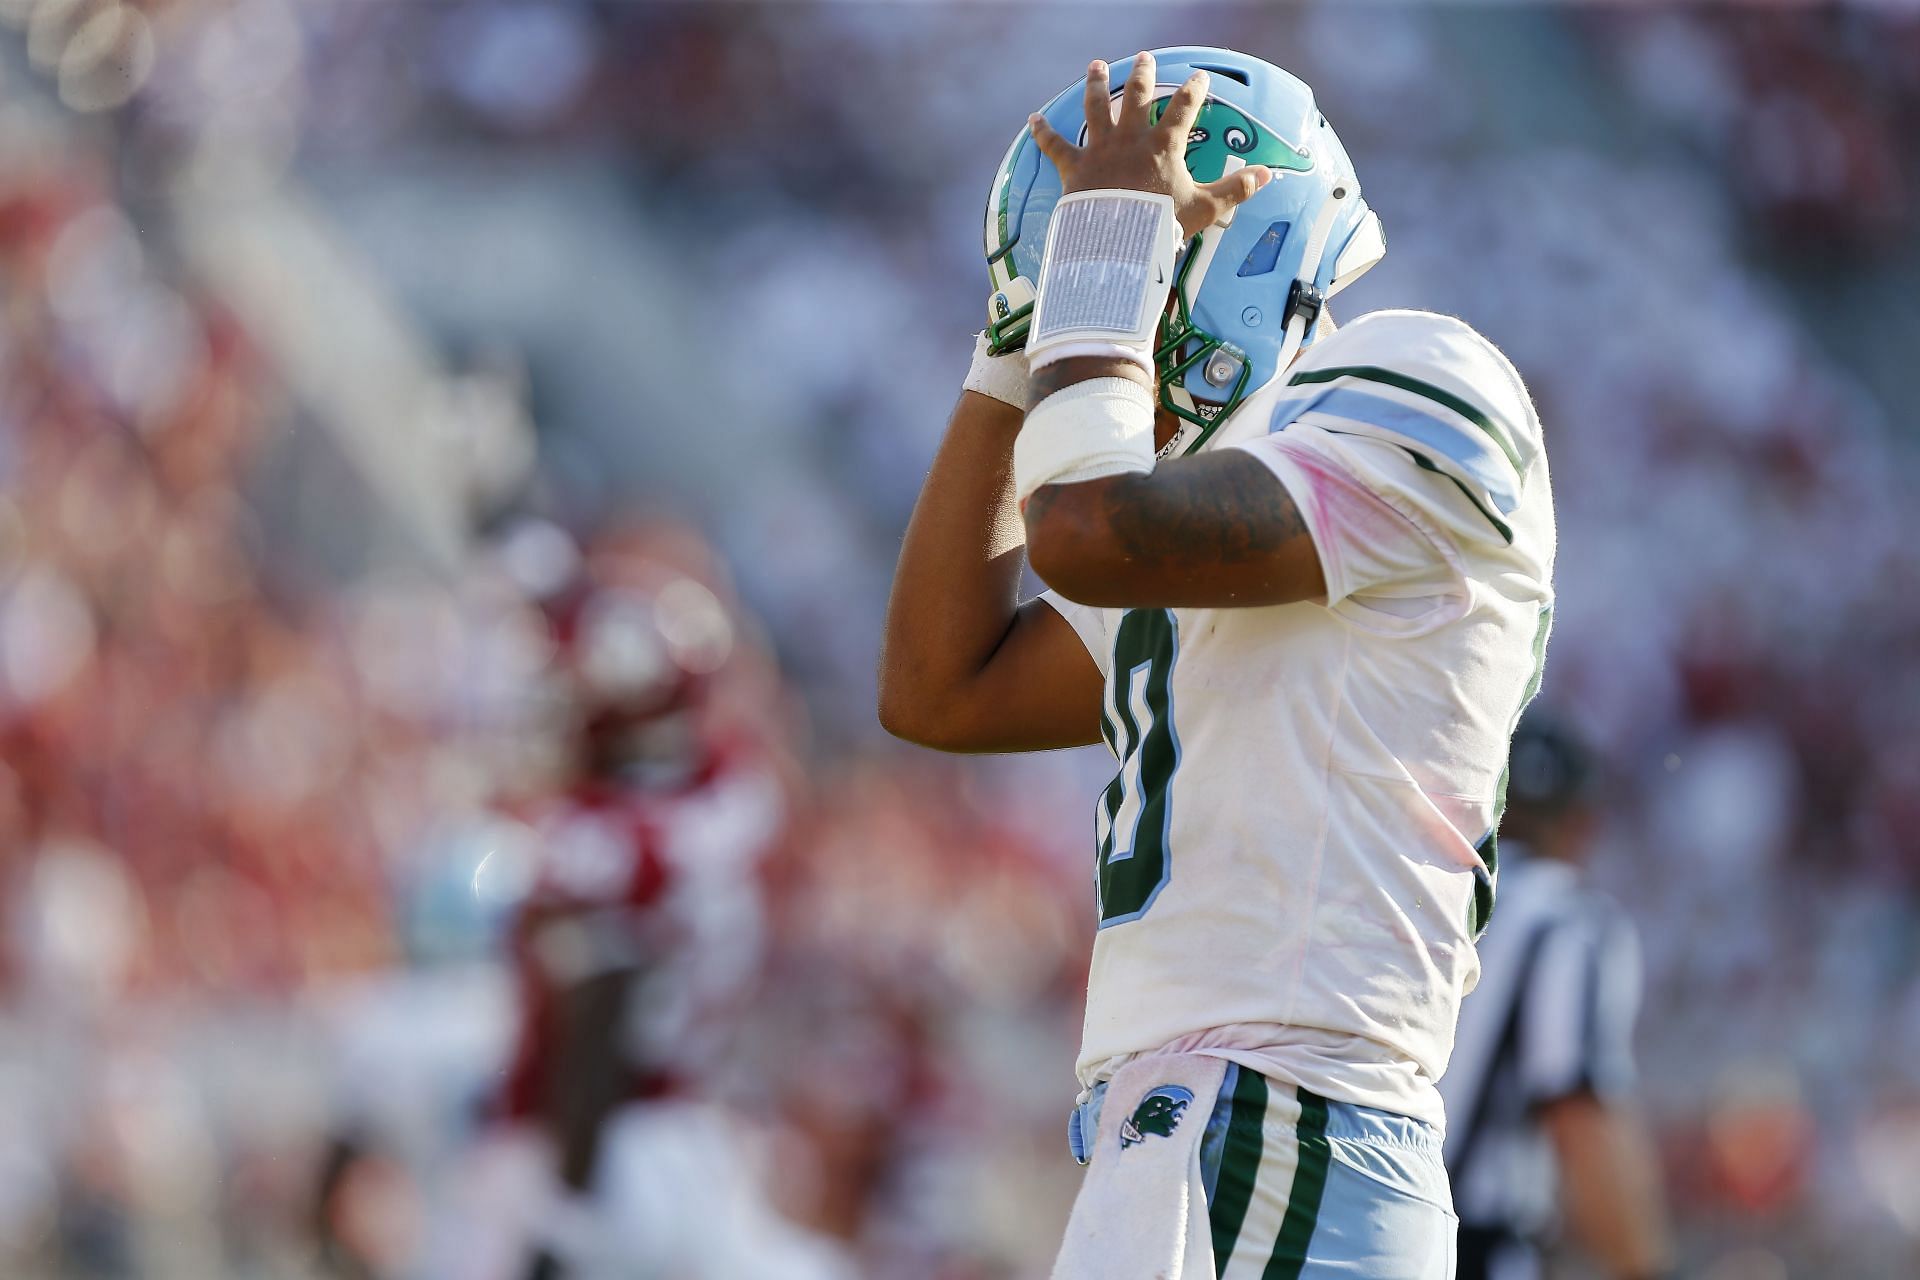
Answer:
(1100, 427)
(1002, 377)
(1104, 277)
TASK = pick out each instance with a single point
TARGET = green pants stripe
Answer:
(1239, 1165)
(1273, 1171)
(1303, 1203)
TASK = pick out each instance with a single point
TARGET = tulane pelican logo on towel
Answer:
(1158, 1114)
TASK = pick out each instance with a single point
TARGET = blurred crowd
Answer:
(284, 740)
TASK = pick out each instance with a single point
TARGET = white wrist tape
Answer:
(1002, 377)
(1104, 277)
(1100, 427)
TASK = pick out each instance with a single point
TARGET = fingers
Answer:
(1052, 145)
(1225, 194)
(1183, 108)
(1238, 187)
(1137, 97)
(1099, 105)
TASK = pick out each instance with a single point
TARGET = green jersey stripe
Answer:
(1303, 1201)
(1428, 464)
(1239, 1164)
(1439, 395)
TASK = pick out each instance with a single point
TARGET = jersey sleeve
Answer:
(1581, 999)
(1089, 623)
(1379, 564)
(1428, 416)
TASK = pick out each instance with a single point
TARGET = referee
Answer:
(1543, 1136)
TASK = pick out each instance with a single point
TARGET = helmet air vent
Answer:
(1265, 253)
(1231, 73)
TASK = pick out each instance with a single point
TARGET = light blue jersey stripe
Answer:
(1468, 449)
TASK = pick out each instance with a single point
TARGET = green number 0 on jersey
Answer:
(1135, 811)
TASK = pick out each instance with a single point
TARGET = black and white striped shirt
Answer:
(1552, 1017)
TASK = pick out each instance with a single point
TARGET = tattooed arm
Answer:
(1215, 530)
(1211, 531)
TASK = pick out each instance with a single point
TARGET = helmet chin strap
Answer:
(1299, 319)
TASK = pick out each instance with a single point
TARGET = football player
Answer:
(643, 936)
(1301, 587)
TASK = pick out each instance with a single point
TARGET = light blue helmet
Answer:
(1247, 295)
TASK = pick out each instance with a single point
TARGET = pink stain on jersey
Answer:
(1344, 513)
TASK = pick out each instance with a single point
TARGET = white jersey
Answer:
(1296, 854)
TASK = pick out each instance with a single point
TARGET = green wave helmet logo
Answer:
(1224, 130)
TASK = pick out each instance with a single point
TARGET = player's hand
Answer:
(1126, 150)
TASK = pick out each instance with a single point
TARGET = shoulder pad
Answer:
(1432, 385)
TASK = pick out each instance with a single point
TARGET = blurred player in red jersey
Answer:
(644, 931)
